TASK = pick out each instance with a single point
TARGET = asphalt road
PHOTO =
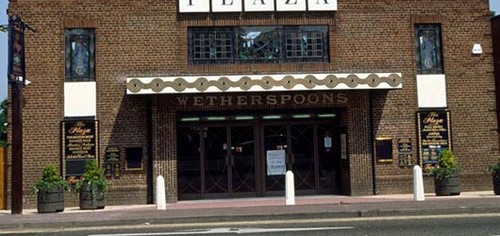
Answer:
(477, 224)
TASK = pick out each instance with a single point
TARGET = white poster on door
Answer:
(276, 164)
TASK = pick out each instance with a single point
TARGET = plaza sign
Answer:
(196, 6)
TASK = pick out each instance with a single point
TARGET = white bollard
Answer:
(161, 200)
(418, 184)
(290, 188)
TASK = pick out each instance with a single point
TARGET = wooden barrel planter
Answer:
(51, 200)
(91, 198)
(496, 185)
(448, 186)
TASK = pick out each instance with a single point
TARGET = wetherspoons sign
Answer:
(191, 6)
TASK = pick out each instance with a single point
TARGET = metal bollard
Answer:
(418, 184)
(161, 200)
(290, 188)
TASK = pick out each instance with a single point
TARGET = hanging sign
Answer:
(16, 47)
(276, 164)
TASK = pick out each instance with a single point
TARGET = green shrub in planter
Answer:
(446, 176)
(494, 171)
(91, 187)
(50, 191)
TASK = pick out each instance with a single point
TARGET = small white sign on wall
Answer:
(276, 164)
(259, 5)
(227, 6)
(194, 6)
(290, 5)
(322, 5)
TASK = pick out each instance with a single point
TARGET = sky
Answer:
(494, 6)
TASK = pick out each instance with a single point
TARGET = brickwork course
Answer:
(149, 38)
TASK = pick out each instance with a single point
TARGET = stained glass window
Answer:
(258, 44)
(307, 43)
(79, 53)
(211, 44)
(428, 49)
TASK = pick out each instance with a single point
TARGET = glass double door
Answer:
(216, 161)
(309, 150)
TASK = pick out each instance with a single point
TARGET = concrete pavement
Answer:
(255, 209)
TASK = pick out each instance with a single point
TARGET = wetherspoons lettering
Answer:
(272, 99)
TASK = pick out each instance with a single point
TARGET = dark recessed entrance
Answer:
(247, 156)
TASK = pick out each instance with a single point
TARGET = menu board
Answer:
(433, 135)
(79, 144)
(405, 149)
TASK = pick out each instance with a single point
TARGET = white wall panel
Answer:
(431, 90)
(79, 99)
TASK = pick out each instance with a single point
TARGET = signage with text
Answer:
(255, 99)
(433, 135)
(79, 144)
(194, 6)
(276, 164)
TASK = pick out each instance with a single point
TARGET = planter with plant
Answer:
(494, 170)
(50, 191)
(446, 176)
(91, 187)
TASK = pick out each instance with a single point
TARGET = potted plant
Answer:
(446, 177)
(494, 170)
(50, 191)
(91, 187)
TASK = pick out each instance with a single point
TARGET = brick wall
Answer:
(149, 38)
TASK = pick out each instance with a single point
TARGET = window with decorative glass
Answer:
(258, 44)
(428, 49)
(79, 55)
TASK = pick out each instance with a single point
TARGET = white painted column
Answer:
(161, 200)
(418, 184)
(290, 188)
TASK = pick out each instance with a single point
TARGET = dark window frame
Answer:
(128, 152)
(259, 44)
(432, 66)
(84, 36)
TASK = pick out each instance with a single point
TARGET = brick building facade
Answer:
(149, 89)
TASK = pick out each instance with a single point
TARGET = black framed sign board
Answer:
(434, 135)
(80, 143)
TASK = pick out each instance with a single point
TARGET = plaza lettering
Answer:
(433, 119)
(191, 6)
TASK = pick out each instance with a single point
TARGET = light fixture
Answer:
(477, 49)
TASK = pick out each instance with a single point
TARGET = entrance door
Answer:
(294, 144)
(329, 153)
(216, 161)
(242, 161)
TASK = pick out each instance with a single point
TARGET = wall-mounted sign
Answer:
(80, 143)
(405, 156)
(434, 135)
(291, 5)
(276, 164)
(196, 6)
(227, 6)
(112, 166)
(259, 5)
(257, 99)
(383, 149)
